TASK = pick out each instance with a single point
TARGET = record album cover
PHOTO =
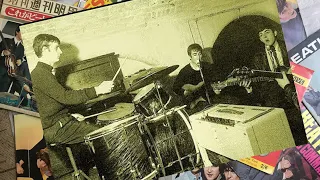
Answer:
(166, 86)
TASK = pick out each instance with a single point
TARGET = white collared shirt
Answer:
(16, 41)
(279, 56)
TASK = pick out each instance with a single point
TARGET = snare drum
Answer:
(122, 111)
(148, 102)
(172, 142)
(119, 150)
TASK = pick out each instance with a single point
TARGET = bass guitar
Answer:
(235, 78)
(245, 74)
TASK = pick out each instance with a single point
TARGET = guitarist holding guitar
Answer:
(193, 81)
(17, 76)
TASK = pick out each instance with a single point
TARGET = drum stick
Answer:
(151, 175)
(114, 77)
(97, 114)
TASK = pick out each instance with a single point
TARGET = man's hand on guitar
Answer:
(246, 83)
(27, 88)
(6, 52)
(284, 81)
(189, 88)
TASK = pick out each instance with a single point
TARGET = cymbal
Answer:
(121, 110)
(150, 75)
(102, 97)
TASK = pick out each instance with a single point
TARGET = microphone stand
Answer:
(205, 87)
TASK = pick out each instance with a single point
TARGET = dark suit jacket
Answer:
(18, 51)
(284, 55)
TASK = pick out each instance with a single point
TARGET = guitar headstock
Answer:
(241, 72)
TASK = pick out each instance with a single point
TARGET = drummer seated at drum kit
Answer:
(193, 82)
(52, 98)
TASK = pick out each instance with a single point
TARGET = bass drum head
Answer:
(111, 128)
(165, 140)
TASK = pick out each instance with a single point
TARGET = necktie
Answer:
(274, 58)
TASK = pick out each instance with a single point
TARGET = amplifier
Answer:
(238, 131)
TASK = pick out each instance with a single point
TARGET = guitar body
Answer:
(10, 60)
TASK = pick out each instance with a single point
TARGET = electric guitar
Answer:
(237, 76)
(244, 74)
(10, 60)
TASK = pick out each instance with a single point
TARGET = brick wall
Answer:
(147, 33)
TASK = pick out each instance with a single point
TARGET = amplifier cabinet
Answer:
(91, 73)
(238, 131)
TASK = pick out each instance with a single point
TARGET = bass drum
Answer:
(172, 141)
(120, 151)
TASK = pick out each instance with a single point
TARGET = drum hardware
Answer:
(149, 76)
(168, 112)
(165, 115)
(151, 175)
(157, 152)
(90, 144)
(134, 171)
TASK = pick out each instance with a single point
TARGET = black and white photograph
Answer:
(145, 89)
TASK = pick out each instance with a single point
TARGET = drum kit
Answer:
(144, 139)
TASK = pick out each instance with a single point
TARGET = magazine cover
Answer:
(302, 77)
(76, 3)
(290, 165)
(310, 15)
(265, 162)
(21, 11)
(7, 146)
(88, 4)
(306, 54)
(312, 152)
(291, 22)
(31, 158)
(183, 81)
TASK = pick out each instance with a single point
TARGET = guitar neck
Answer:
(236, 81)
(270, 74)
